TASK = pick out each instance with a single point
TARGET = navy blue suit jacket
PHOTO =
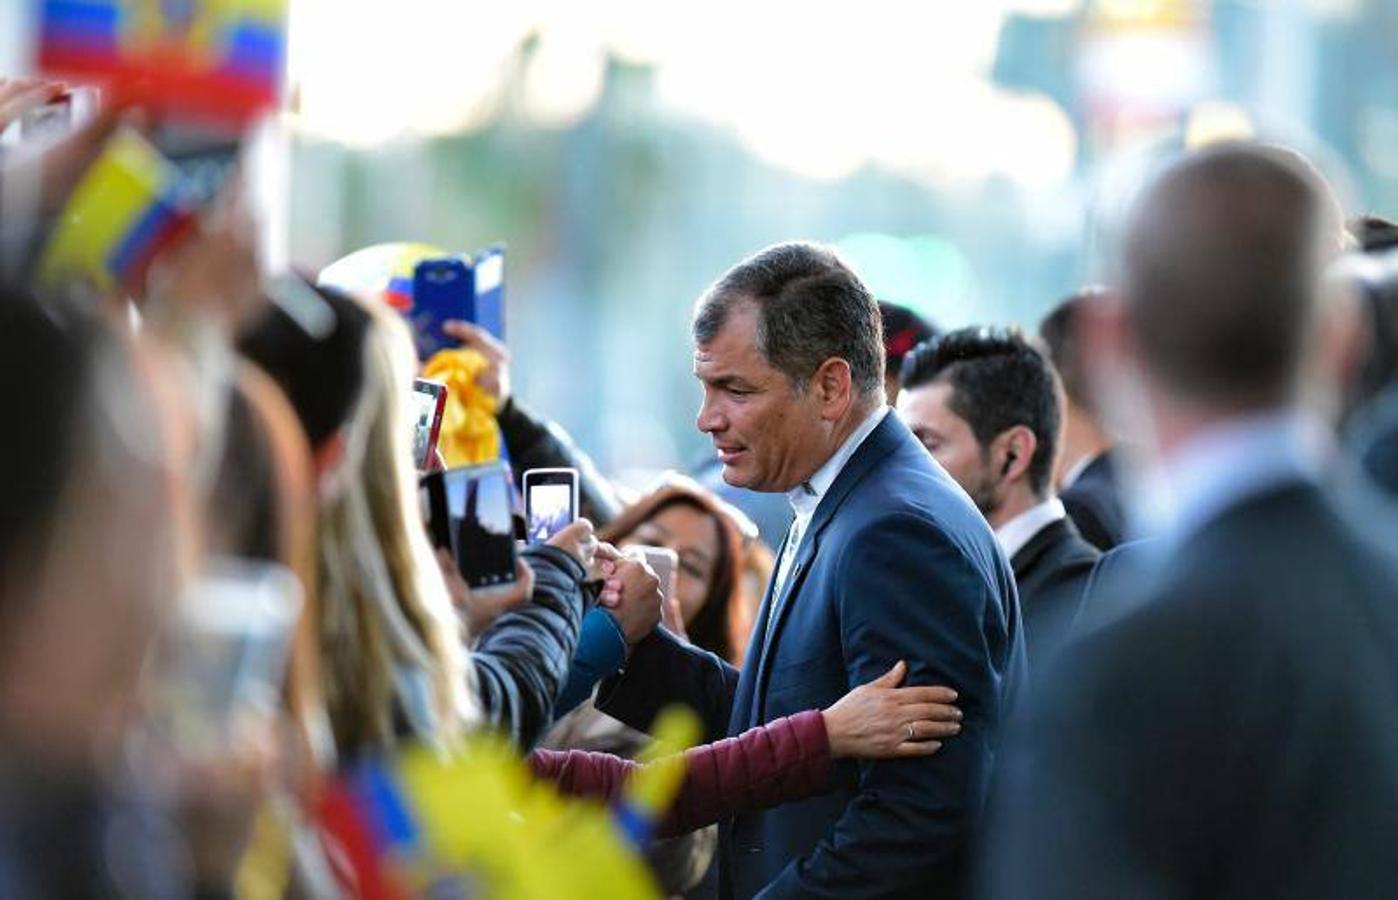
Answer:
(898, 564)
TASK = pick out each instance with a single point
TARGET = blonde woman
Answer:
(393, 647)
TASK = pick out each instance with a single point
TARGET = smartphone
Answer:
(664, 562)
(429, 400)
(471, 513)
(550, 502)
(205, 157)
(225, 652)
(443, 289)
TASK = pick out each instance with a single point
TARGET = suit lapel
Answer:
(881, 442)
(1037, 546)
(743, 695)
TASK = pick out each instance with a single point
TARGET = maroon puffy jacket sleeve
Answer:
(786, 759)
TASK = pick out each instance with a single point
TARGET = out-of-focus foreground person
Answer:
(985, 403)
(1236, 734)
(1088, 475)
(94, 548)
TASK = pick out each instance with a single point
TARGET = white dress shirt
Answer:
(1226, 464)
(1020, 530)
(805, 497)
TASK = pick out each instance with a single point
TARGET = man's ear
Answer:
(1017, 452)
(833, 383)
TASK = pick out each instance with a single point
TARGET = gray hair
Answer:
(811, 307)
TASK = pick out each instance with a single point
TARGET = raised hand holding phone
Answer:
(495, 378)
(471, 513)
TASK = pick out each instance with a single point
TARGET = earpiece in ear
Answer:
(1010, 458)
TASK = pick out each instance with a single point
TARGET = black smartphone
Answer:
(470, 511)
(550, 501)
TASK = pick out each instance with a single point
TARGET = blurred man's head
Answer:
(985, 403)
(789, 348)
(1061, 332)
(903, 330)
(1221, 274)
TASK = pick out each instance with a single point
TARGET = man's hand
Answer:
(494, 379)
(631, 595)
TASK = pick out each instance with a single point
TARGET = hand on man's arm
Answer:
(909, 593)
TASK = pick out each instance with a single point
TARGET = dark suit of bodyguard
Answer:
(892, 563)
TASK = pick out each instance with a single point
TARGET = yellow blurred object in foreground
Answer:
(486, 815)
(469, 435)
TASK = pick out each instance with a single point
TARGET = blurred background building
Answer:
(968, 158)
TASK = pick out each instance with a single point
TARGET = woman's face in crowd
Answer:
(693, 535)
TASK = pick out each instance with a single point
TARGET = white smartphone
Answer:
(664, 562)
(550, 502)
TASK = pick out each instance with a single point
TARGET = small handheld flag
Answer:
(125, 211)
(211, 60)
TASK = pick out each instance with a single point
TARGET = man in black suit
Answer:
(986, 404)
(1088, 474)
(886, 560)
(1236, 732)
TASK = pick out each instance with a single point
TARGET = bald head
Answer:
(1221, 273)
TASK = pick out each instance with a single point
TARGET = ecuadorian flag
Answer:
(123, 213)
(220, 60)
(475, 825)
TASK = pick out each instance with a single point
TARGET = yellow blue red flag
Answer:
(219, 60)
(126, 210)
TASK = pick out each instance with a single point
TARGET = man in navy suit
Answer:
(985, 403)
(887, 560)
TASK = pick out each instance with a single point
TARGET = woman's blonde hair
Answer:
(390, 641)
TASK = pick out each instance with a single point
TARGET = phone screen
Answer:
(479, 503)
(550, 510)
(427, 420)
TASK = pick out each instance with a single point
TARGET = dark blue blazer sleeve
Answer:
(905, 590)
(663, 670)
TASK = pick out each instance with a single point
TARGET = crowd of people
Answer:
(1108, 607)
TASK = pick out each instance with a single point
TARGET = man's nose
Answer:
(710, 418)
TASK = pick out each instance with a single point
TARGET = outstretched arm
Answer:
(785, 760)
(663, 670)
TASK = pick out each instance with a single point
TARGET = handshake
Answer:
(630, 588)
(631, 591)
(631, 594)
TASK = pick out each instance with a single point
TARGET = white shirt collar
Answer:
(805, 497)
(1226, 464)
(1017, 532)
(1075, 471)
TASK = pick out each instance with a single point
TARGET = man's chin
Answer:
(738, 477)
(735, 476)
